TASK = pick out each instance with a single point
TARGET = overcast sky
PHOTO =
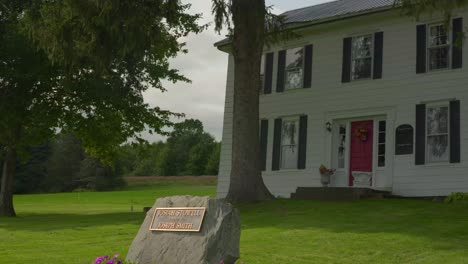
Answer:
(203, 99)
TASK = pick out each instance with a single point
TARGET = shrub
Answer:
(457, 197)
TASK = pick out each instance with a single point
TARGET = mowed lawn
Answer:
(77, 227)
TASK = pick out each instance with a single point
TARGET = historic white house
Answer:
(376, 95)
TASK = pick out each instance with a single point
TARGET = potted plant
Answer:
(326, 174)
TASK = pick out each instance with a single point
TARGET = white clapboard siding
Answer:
(399, 91)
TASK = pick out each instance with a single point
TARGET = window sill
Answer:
(438, 164)
(440, 71)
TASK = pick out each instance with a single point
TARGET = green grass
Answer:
(77, 227)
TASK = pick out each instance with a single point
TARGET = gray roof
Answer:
(336, 9)
(331, 11)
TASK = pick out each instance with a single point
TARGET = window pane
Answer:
(289, 157)
(437, 148)
(439, 58)
(437, 120)
(294, 58)
(294, 78)
(382, 126)
(438, 36)
(381, 161)
(341, 146)
(362, 47)
(381, 149)
(289, 133)
(381, 137)
(262, 74)
(362, 68)
(294, 68)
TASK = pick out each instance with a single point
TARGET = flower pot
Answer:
(325, 180)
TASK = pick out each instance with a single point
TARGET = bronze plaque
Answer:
(186, 219)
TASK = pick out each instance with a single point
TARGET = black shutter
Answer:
(268, 73)
(455, 131)
(457, 52)
(378, 54)
(263, 143)
(302, 150)
(281, 68)
(421, 48)
(308, 54)
(277, 145)
(420, 157)
(346, 69)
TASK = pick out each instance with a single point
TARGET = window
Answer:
(361, 57)
(289, 146)
(381, 143)
(262, 74)
(437, 136)
(341, 146)
(294, 68)
(438, 47)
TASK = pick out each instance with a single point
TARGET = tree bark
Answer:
(246, 182)
(6, 190)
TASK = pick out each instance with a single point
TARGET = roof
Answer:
(331, 11)
(336, 9)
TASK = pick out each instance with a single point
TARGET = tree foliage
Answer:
(188, 151)
(418, 7)
(82, 66)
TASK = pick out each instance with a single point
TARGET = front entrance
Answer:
(361, 153)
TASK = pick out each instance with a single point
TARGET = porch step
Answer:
(336, 193)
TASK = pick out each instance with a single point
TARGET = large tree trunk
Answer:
(6, 190)
(246, 180)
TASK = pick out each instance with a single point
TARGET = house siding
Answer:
(395, 96)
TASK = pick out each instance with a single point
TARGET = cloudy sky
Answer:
(203, 99)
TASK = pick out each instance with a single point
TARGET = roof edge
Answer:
(304, 24)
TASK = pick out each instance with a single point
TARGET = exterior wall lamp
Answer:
(328, 126)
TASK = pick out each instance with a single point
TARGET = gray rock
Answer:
(218, 239)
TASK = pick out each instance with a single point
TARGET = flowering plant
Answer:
(326, 171)
(108, 260)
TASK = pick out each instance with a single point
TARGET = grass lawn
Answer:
(77, 227)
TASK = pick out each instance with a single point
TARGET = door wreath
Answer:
(362, 133)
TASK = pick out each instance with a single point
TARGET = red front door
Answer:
(361, 147)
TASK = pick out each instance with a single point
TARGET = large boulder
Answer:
(217, 241)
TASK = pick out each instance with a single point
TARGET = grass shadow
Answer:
(54, 222)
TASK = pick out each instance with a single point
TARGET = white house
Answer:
(376, 95)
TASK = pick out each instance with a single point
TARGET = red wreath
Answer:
(362, 133)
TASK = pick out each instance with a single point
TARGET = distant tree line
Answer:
(188, 151)
(62, 164)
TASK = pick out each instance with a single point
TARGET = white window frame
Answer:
(345, 145)
(286, 84)
(354, 58)
(426, 134)
(296, 120)
(429, 47)
(378, 142)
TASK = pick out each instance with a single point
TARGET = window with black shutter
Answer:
(438, 132)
